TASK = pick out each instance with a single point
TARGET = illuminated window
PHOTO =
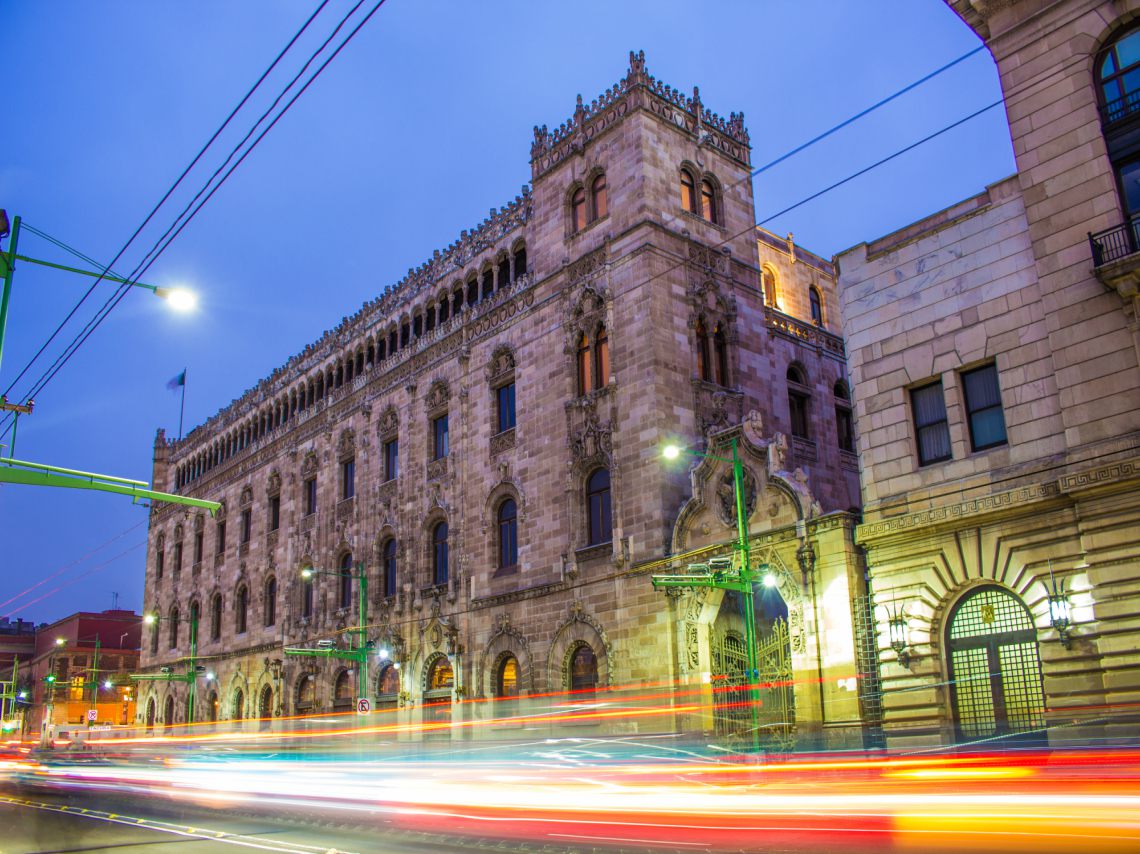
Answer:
(578, 210)
(598, 191)
(708, 202)
(688, 191)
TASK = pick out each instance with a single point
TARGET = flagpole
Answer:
(182, 408)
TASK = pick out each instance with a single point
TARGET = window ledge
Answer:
(504, 571)
(574, 235)
(502, 441)
(698, 218)
(588, 553)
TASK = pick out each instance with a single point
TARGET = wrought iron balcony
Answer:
(1116, 256)
(1121, 108)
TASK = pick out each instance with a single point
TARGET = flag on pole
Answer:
(178, 381)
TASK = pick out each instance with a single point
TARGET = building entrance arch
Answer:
(994, 667)
(150, 712)
(168, 712)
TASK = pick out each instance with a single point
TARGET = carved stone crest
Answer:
(594, 439)
(726, 497)
(274, 486)
(501, 366)
(437, 396)
(346, 444)
(310, 465)
(388, 423)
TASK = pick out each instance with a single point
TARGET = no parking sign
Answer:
(363, 706)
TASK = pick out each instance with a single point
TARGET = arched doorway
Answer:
(342, 692)
(583, 671)
(438, 685)
(306, 695)
(994, 667)
(265, 708)
(212, 706)
(507, 686)
(388, 687)
(150, 712)
(168, 712)
(239, 705)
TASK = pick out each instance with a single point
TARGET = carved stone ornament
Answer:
(246, 496)
(437, 396)
(346, 444)
(199, 523)
(753, 426)
(501, 366)
(595, 439)
(310, 465)
(389, 423)
(274, 486)
(726, 497)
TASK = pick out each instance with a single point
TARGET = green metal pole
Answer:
(9, 258)
(192, 673)
(95, 679)
(749, 605)
(362, 668)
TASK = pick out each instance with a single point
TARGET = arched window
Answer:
(601, 358)
(598, 194)
(508, 534)
(507, 678)
(239, 705)
(585, 377)
(441, 676)
(720, 350)
(577, 210)
(1118, 73)
(271, 601)
(307, 598)
(599, 521)
(688, 191)
(265, 707)
(388, 682)
(520, 262)
(173, 620)
(212, 707)
(242, 616)
(168, 712)
(704, 367)
(216, 617)
(583, 669)
(816, 302)
(306, 694)
(343, 691)
(439, 553)
(768, 282)
(798, 402)
(708, 202)
(345, 579)
(390, 578)
(195, 610)
(154, 638)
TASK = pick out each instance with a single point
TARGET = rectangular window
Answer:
(177, 558)
(159, 560)
(246, 525)
(197, 547)
(506, 403)
(798, 408)
(274, 512)
(439, 446)
(391, 459)
(844, 428)
(310, 496)
(347, 479)
(929, 407)
(220, 540)
(983, 407)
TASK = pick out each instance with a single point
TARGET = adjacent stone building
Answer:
(484, 437)
(993, 352)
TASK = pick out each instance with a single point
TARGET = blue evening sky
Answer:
(420, 126)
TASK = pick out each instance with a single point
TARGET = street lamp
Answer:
(740, 579)
(360, 647)
(1060, 613)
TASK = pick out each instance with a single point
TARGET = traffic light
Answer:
(49, 678)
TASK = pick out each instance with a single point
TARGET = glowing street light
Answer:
(178, 299)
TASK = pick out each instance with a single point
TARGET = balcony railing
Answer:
(1115, 243)
(1114, 111)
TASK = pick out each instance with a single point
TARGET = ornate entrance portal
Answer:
(995, 669)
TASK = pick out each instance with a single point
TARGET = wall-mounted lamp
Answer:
(1060, 615)
(897, 627)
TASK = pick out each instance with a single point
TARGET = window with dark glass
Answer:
(844, 427)
(274, 512)
(508, 534)
(585, 379)
(216, 617)
(720, 350)
(816, 306)
(197, 547)
(933, 431)
(983, 407)
(271, 601)
(159, 561)
(310, 496)
(178, 557)
(1120, 77)
(307, 598)
(578, 209)
(688, 191)
(390, 578)
(173, 620)
(599, 520)
(246, 525)
(704, 366)
(439, 440)
(798, 402)
(220, 538)
(348, 479)
(439, 554)
(154, 638)
(345, 578)
(708, 202)
(242, 609)
(583, 670)
(505, 399)
(391, 459)
(598, 190)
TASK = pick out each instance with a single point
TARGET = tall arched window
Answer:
(307, 598)
(720, 350)
(389, 557)
(583, 669)
(508, 534)
(844, 428)
(708, 202)
(343, 691)
(439, 554)
(768, 282)
(216, 617)
(507, 678)
(242, 616)
(271, 601)
(816, 302)
(704, 366)
(798, 401)
(173, 620)
(585, 375)
(345, 579)
(578, 210)
(195, 611)
(598, 516)
(598, 193)
(306, 694)
(1118, 73)
(601, 358)
(688, 191)
(239, 705)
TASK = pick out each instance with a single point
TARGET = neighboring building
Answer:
(485, 438)
(993, 350)
(84, 652)
(17, 645)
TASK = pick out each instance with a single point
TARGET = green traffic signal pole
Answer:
(359, 651)
(741, 580)
(190, 677)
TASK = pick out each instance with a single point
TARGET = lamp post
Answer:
(359, 651)
(720, 574)
(167, 674)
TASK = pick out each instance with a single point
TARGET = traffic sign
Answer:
(92, 715)
(363, 706)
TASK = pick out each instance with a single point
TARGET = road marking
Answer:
(241, 840)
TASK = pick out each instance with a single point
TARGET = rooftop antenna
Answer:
(114, 601)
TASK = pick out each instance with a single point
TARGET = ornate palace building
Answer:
(993, 348)
(485, 438)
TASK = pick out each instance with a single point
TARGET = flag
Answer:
(178, 381)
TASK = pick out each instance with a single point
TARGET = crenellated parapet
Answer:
(639, 90)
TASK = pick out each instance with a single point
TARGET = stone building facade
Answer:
(484, 437)
(993, 350)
